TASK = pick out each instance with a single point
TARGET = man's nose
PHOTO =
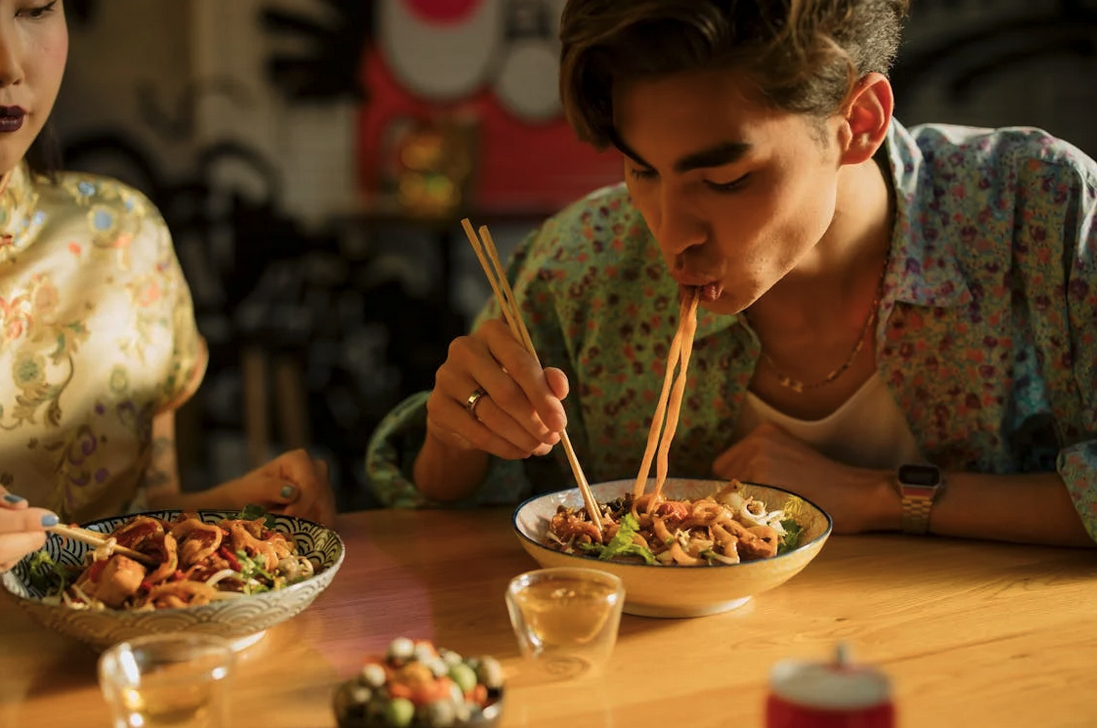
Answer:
(680, 227)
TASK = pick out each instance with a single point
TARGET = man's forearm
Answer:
(1031, 508)
(445, 472)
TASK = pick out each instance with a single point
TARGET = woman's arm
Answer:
(293, 483)
(160, 480)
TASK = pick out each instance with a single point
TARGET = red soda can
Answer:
(834, 694)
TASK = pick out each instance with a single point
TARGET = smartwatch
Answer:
(919, 486)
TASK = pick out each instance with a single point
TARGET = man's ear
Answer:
(867, 115)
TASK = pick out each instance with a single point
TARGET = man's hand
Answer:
(857, 499)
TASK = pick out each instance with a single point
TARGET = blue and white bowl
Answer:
(241, 621)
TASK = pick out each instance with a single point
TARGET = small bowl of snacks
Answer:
(416, 685)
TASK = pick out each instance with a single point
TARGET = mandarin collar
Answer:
(19, 218)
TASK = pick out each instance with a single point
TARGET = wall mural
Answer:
(483, 72)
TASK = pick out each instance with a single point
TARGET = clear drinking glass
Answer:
(566, 619)
(168, 680)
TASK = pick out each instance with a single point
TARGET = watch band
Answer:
(918, 486)
(916, 509)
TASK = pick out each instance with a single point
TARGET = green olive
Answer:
(399, 712)
(464, 676)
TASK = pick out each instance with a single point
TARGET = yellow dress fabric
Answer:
(97, 337)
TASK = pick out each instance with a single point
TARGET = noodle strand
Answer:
(689, 329)
(657, 420)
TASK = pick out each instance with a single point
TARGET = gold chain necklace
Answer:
(798, 386)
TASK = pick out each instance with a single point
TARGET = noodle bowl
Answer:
(242, 618)
(195, 563)
(674, 590)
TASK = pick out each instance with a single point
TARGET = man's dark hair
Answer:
(804, 56)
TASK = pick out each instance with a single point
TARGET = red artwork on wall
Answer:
(491, 65)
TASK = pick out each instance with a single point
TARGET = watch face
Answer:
(919, 475)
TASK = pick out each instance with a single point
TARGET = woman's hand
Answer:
(22, 528)
(293, 484)
(857, 499)
(520, 413)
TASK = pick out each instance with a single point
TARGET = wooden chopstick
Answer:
(674, 407)
(487, 254)
(658, 420)
(94, 538)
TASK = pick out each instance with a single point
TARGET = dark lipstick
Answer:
(11, 118)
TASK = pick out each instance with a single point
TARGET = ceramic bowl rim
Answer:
(212, 608)
(821, 537)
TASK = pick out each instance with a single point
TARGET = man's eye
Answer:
(643, 173)
(38, 12)
(732, 186)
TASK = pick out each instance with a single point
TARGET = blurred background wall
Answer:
(313, 158)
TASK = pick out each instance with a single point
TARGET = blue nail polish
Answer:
(288, 491)
(12, 499)
(49, 520)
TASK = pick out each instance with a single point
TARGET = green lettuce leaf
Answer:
(46, 575)
(621, 544)
(791, 539)
(252, 511)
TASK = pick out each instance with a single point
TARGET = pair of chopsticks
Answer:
(94, 538)
(668, 408)
(486, 253)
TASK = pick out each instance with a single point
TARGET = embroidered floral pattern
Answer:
(987, 336)
(97, 334)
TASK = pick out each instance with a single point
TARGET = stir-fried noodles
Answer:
(196, 563)
(726, 528)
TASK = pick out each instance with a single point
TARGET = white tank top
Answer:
(867, 431)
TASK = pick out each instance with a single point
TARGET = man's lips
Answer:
(710, 289)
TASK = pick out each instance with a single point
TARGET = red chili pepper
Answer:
(146, 586)
(234, 563)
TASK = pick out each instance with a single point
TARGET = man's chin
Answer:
(724, 306)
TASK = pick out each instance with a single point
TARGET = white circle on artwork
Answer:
(527, 84)
(443, 58)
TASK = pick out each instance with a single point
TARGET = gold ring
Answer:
(473, 400)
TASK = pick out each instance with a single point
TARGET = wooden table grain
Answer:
(972, 634)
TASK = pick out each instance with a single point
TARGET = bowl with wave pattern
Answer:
(680, 591)
(241, 621)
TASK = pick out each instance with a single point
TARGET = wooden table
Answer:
(972, 634)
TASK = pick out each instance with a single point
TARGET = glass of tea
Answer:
(566, 619)
(168, 680)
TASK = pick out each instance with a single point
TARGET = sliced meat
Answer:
(118, 581)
